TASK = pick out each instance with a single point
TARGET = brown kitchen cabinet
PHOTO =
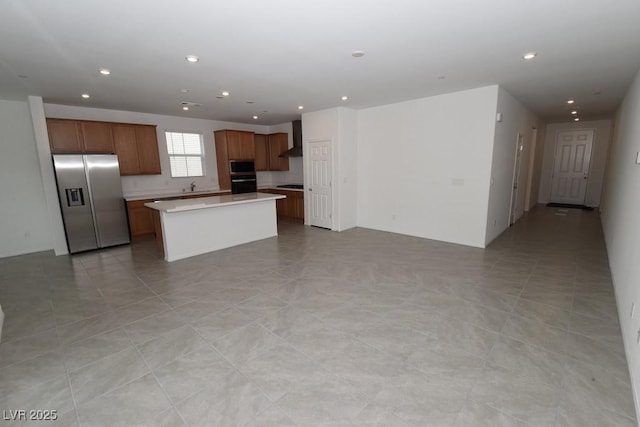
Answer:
(140, 219)
(262, 152)
(232, 145)
(97, 137)
(79, 136)
(268, 149)
(278, 143)
(135, 145)
(292, 206)
(137, 149)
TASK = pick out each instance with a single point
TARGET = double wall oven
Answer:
(243, 176)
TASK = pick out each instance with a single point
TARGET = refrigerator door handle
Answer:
(91, 201)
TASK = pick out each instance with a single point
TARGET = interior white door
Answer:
(571, 166)
(513, 215)
(319, 188)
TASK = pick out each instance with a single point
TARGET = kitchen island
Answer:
(190, 227)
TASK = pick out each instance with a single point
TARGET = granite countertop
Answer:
(273, 187)
(134, 197)
(179, 205)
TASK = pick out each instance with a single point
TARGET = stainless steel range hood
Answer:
(296, 151)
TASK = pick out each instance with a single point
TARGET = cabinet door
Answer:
(124, 139)
(234, 150)
(247, 145)
(222, 159)
(278, 144)
(65, 136)
(97, 137)
(262, 152)
(300, 207)
(148, 156)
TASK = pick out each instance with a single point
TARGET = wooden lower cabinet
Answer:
(140, 219)
(292, 207)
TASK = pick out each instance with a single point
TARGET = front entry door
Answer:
(319, 188)
(571, 167)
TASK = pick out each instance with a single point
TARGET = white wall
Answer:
(601, 142)
(157, 184)
(516, 119)
(337, 125)
(24, 224)
(424, 166)
(620, 208)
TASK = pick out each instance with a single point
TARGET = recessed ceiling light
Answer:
(571, 101)
(192, 58)
(577, 119)
(344, 98)
(528, 56)
(104, 71)
(357, 53)
(255, 117)
(225, 93)
(86, 96)
(574, 112)
(184, 90)
(300, 107)
(185, 107)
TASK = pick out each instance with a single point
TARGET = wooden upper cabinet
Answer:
(222, 160)
(268, 149)
(124, 138)
(262, 152)
(148, 156)
(97, 137)
(65, 136)
(247, 145)
(232, 145)
(137, 149)
(135, 145)
(240, 145)
(278, 144)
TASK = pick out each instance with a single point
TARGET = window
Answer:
(185, 154)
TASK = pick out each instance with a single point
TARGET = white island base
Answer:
(192, 227)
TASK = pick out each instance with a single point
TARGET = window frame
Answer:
(202, 154)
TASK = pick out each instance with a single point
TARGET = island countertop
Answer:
(211, 202)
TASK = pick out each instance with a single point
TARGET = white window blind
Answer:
(185, 154)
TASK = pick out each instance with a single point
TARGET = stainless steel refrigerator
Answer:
(90, 193)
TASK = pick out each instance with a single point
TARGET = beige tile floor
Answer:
(319, 328)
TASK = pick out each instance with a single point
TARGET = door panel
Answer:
(108, 204)
(319, 187)
(571, 167)
(75, 202)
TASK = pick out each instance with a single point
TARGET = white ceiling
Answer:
(284, 53)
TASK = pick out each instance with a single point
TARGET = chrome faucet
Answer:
(193, 186)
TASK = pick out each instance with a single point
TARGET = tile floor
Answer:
(316, 328)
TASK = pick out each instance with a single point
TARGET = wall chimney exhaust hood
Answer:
(296, 151)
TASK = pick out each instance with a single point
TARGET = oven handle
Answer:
(243, 180)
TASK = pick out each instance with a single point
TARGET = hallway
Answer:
(322, 328)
